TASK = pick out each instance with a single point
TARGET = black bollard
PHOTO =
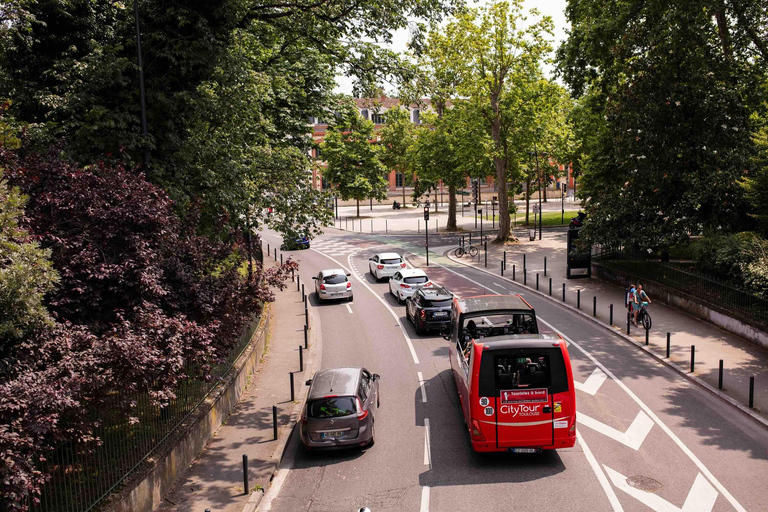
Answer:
(594, 306)
(298, 280)
(501, 264)
(303, 295)
(306, 341)
(752, 392)
(578, 298)
(513, 272)
(545, 265)
(275, 253)
(268, 251)
(629, 315)
(693, 357)
(505, 259)
(563, 292)
(306, 315)
(293, 277)
(301, 358)
(525, 267)
(720, 376)
(550, 286)
(274, 420)
(292, 394)
(668, 345)
(281, 259)
(610, 315)
(525, 277)
(646, 337)
(485, 252)
(537, 280)
(245, 475)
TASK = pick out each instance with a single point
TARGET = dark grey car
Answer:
(341, 409)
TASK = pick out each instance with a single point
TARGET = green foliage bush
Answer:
(741, 258)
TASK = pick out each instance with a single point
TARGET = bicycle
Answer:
(461, 251)
(644, 317)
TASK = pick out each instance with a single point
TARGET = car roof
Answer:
(411, 272)
(334, 381)
(520, 341)
(492, 303)
(389, 255)
(332, 271)
(433, 293)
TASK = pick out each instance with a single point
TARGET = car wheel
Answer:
(349, 299)
(399, 299)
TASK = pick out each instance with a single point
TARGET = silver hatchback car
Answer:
(341, 409)
(333, 284)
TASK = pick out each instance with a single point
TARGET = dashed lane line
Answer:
(427, 445)
(349, 308)
(421, 387)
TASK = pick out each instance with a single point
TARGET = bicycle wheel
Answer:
(459, 252)
(473, 251)
(646, 321)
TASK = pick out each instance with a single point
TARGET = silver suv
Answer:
(341, 409)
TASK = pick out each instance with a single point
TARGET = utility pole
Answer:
(141, 91)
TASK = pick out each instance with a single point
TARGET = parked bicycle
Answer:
(461, 251)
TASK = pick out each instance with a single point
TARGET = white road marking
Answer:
(499, 285)
(421, 387)
(496, 291)
(274, 489)
(610, 494)
(593, 382)
(633, 437)
(349, 308)
(427, 445)
(424, 499)
(701, 497)
(645, 408)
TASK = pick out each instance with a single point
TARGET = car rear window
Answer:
(390, 261)
(335, 279)
(331, 407)
(509, 369)
(438, 303)
(416, 279)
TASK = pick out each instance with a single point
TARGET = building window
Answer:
(325, 185)
(364, 113)
(398, 179)
(416, 116)
(378, 118)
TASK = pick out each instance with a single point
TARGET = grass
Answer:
(549, 219)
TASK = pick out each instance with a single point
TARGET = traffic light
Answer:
(475, 191)
(426, 213)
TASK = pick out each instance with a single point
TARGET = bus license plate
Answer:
(525, 450)
(332, 435)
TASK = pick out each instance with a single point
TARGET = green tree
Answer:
(397, 138)
(26, 274)
(353, 158)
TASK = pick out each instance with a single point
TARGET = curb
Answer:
(692, 378)
(315, 344)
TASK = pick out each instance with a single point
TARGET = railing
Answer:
(128, 431)
(706, 289)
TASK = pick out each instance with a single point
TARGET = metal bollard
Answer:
(505, 259)
(306, 342)
(668, 345)
(292, 394)
(525, 266)
(720, 376)
(537, 280)
(525, 277)
(293, 277)
(281, 259)
(246, 487)
(513, 271)
(693, 357)
(274, 420)
(306, 315)
(303, 295)
(563, 292)
(545, 265)
(646, 337)
(594, 306)
(501, 264)
(275, 253)
(301, 359)
(610, 315)
(578, 298)
(629, 315)
(485, 253)
(752, 392)
(550, 286)
(268, 251)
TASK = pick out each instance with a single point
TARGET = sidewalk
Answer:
(742, 359)
(215, 479)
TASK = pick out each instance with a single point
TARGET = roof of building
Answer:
(386, 102)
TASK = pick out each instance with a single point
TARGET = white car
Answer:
(333, 284)
(385, 265)
(405, 283)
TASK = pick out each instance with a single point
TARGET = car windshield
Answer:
(390, 261)
(486, 326)
(437, 303)
(335, 279)
(331, 407)
(416, 280)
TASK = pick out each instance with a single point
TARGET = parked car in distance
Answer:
(429, 308)
(333, 284)
(341, 409)
(404, 283)
(385, 265)
(294, 244)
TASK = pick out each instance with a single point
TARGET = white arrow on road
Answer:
(633, 437)
(593, 383)
(701, 497)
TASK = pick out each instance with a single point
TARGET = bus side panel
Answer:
(481, 415)
(564, 408)
(459, 381)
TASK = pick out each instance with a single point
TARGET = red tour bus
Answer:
(515, 385)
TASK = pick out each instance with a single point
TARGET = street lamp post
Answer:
(141, 89)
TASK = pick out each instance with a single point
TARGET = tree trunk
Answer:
(358, 208)
(435, 199)
(500, 164)
(527, 203)
(452, 208)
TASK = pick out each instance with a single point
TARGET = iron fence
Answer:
(705, 289)
(127, 432)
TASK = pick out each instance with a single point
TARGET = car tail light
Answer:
(476, 432)
(349, 285)
(379, 267)
(322, 287)
(403, 285)
(423, 314)
(429, 283)
(402, 265)
(361, 414)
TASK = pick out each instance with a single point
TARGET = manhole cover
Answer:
(644, 483)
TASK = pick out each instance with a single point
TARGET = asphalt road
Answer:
(648, 438)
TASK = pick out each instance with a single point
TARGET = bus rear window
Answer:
(508, 369)
(333, 407)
